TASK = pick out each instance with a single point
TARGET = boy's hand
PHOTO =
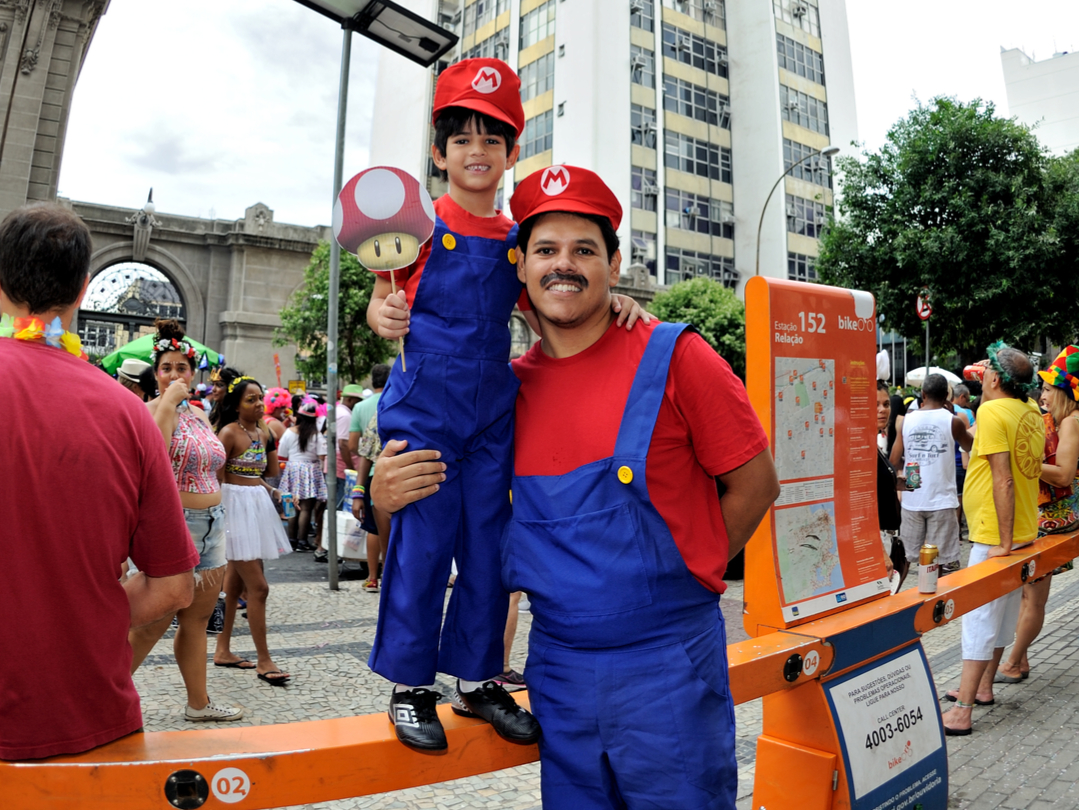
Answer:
(393, 317)
(629, 311)
(358, 508)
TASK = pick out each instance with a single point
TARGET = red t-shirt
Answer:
(459, 221)
(87, 482)
(569, 411)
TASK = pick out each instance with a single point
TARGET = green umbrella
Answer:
(142, 348)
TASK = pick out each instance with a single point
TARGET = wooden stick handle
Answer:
(401, 340)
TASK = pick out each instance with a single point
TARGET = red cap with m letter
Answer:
(488, 86)
(565, 188)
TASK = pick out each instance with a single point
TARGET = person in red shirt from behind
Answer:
(618, 535)
(77, 503)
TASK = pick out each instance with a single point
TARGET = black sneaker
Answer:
(415, 721)
(493, 703)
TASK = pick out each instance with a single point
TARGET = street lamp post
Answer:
(827, 151)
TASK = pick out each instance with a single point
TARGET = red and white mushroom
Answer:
(383, 215)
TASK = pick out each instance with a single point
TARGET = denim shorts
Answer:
(207, 528)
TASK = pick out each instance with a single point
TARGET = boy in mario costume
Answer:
(455, 393)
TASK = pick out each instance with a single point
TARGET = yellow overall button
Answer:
(448, 241)
(626, 475)
(511, 254)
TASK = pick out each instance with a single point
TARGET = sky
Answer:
(218, 105)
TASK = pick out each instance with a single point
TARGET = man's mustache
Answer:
(564, 278)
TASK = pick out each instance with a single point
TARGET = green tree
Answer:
(970, 206)
(304, 319)
(714, 311)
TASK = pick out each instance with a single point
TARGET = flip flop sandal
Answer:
(282, 681)
(1001, 678)
(243, 663)
(953, 697)
(956, 732)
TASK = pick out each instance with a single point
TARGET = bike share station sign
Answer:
(811, 378)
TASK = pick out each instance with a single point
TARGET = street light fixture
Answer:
(390, 25)
(827, 151)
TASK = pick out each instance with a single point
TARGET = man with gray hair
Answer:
(87, 484)
(1001, 497)
(927, 436)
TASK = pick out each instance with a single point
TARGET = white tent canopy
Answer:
(917, 375)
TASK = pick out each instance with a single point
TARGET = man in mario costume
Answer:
(622, 441)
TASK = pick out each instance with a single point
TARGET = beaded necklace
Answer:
(35, 329)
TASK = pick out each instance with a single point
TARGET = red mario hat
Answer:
(488, 86)
(565, 188)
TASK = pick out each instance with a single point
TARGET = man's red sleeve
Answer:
(725, 431)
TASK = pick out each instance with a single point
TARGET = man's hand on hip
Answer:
(406, 478)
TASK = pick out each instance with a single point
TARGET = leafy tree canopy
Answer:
(714, 311)
(304, 319)
(970, 206)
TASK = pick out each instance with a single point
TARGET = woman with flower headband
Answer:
(196, 456)
(253, 531)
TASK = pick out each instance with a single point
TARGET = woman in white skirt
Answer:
(304, 449)
(253, 530)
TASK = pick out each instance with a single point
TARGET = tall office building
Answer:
(689, 109)
(1045, 95)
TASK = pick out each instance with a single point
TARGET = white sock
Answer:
(403, 688)
(470, 686)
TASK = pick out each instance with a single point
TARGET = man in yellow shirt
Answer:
(1001, 505)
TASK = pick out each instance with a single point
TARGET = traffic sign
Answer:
(922, 305)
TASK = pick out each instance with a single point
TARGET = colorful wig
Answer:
(276, 398)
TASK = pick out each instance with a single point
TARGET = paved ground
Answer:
(1024, 753)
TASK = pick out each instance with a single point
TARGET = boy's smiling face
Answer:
(475, 160)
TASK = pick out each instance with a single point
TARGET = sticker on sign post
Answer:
(230, 785)
(891, 735)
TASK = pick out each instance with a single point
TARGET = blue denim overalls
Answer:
(456, 397)
(627, 664)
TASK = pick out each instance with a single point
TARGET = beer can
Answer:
(928, 569)
(911, 475)
(288, 508)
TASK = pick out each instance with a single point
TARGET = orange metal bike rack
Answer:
(316, 761)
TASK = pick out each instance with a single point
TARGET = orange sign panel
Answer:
(819, 550)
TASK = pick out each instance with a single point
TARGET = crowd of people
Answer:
(618, 519)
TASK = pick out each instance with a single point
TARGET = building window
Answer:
(643, 126)
(799, 59)
(696, 102)
(642, 14)
(642, 66)
(815, 170)
(538, 77)
(643, 249)
(800, 267)
(643, 190)
(520, 336)
(537, 135)
(697, 157)
(804, 110)
(683, 265)
(708, 11)
(801, 14)
(805, 217)
(538, 24)
(690, 49)
(692, 212)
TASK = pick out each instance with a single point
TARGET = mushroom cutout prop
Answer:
(383, 215)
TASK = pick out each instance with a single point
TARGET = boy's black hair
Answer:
(611, 239)
(454, 120)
